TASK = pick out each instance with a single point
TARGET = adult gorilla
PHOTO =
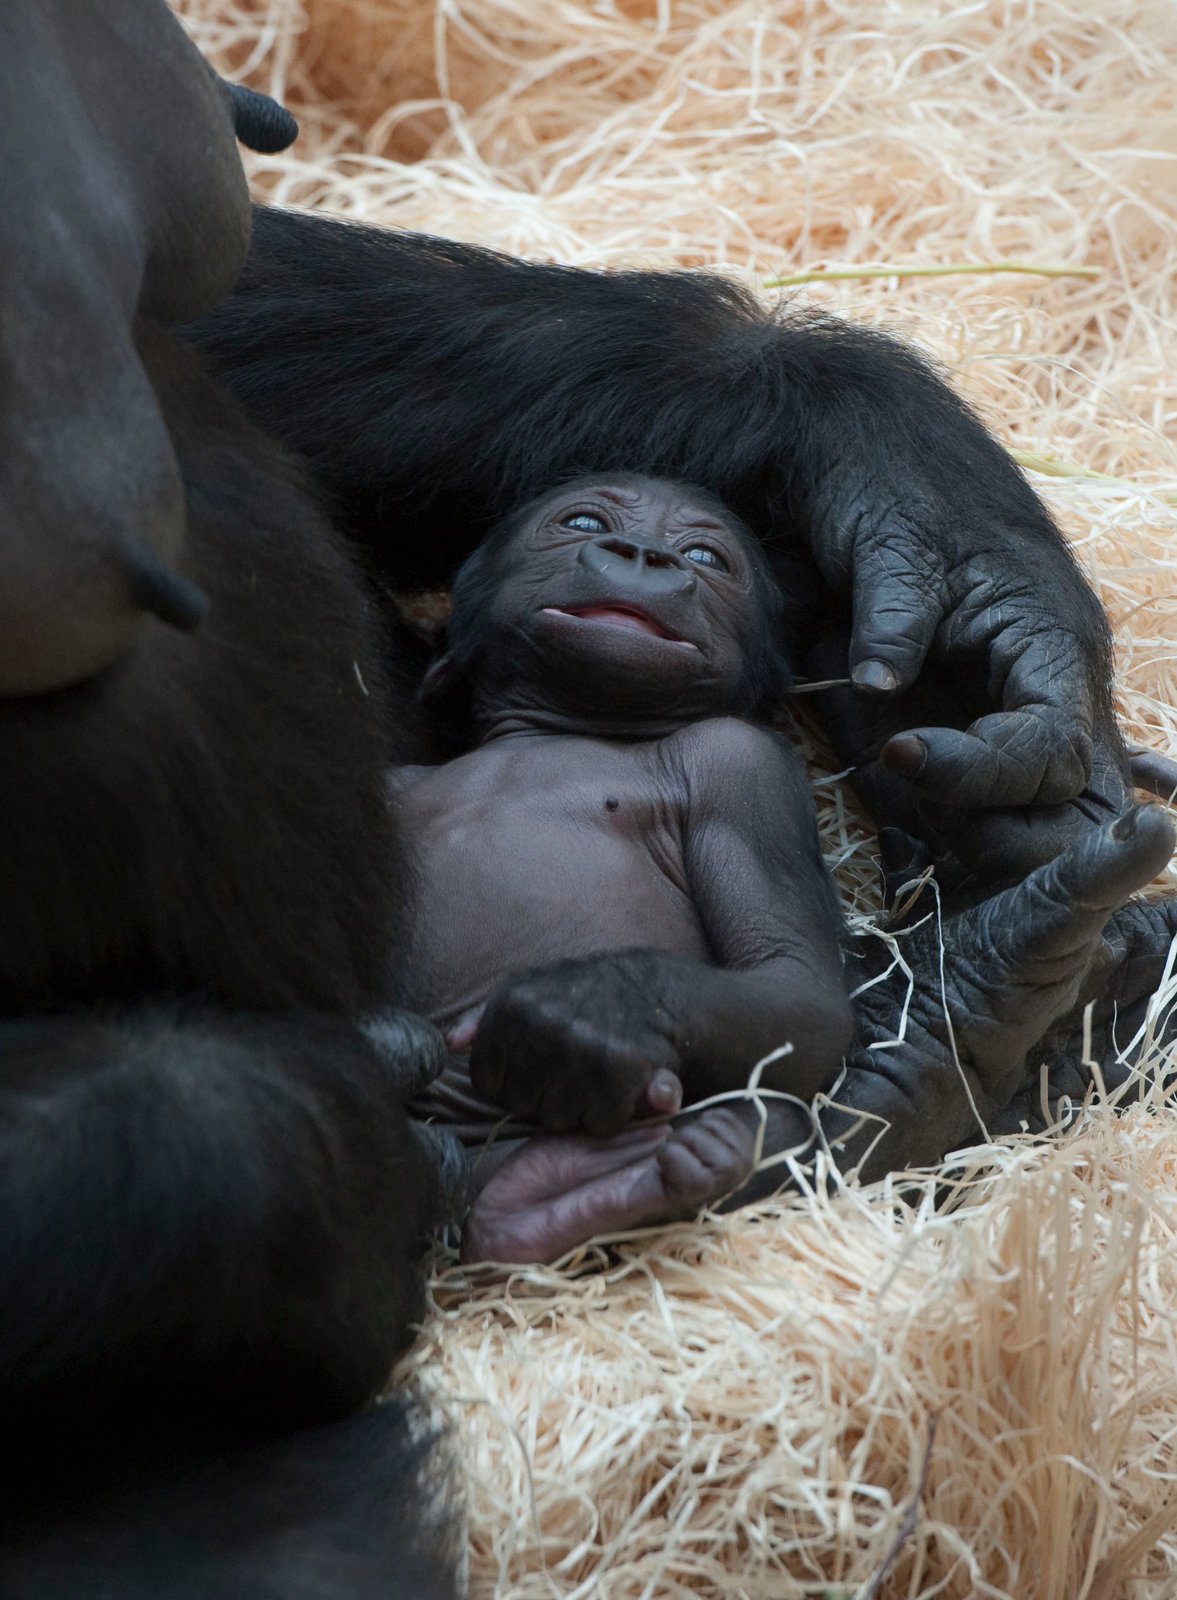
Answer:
(212, 1210)
(211, 1204)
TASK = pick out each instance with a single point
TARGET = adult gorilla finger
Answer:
(1033, 757)
(897, 610)
(412, 1048)
(1153, 772)
(1065, 905)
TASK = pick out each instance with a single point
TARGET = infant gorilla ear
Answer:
(639, 602)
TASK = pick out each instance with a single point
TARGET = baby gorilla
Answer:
(622, 904)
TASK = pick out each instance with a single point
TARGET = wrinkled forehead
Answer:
(633, 491)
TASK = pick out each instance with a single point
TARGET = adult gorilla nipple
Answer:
(157, 588)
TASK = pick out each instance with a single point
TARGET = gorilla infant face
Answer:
(626, 596)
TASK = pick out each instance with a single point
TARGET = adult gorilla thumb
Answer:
(934, 1065)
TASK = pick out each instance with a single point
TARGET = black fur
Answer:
(354, 1509)
(212, 1213)
(429, 384)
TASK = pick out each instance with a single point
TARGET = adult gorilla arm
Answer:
(225, 1207)
(430, 383)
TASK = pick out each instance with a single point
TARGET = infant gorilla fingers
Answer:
(573, 1051)
(709, 1154)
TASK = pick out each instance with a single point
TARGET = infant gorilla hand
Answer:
(581, 1046)
(554, 1194)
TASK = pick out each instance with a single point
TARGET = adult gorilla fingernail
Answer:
(904, 754)
(874, 676)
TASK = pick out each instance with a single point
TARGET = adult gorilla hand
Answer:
(988, 984)
(976, 851)
(925, 527)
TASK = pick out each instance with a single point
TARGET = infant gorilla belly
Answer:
(531, 851)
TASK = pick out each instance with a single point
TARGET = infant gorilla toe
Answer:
(707, 1156)
(554, 1193)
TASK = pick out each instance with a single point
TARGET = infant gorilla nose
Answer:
(651, 566)
(619, 616)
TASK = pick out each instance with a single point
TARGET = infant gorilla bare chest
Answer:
(537, 848)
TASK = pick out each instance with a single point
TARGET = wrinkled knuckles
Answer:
(412, 1047)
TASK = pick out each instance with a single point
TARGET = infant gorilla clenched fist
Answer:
(622, 906)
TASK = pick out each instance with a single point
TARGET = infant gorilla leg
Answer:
(549, 1195)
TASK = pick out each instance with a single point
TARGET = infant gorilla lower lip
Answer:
(613, 616)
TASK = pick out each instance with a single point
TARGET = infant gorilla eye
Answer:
(704, 556)
(585, 522)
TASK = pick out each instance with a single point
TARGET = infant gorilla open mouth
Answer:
(617, 616)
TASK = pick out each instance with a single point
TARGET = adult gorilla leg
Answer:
(352, 1509)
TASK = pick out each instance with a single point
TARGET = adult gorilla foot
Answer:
(1115, 1026)
(939, 1058)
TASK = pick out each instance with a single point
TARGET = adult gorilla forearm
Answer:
(430, 383)
(226, 1206)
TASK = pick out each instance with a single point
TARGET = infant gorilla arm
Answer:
(615, 814)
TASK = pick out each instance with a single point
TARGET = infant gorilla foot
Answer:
(555, 1193)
